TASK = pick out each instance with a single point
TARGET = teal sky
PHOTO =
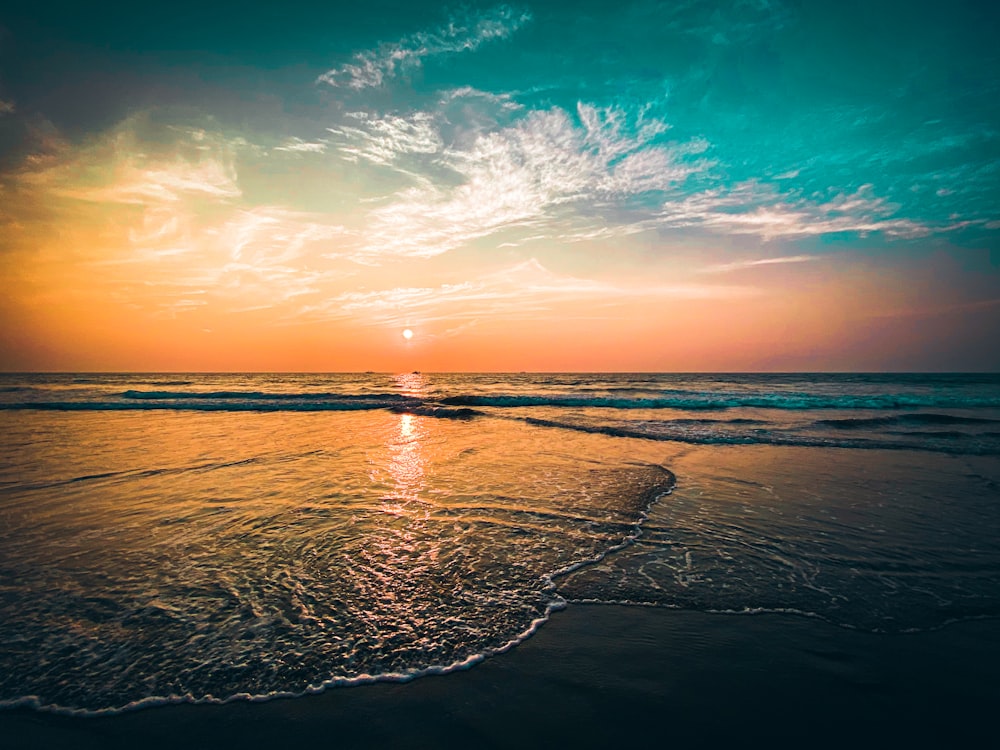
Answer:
(467, 168)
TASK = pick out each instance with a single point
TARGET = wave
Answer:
(439, 412)
(902, 419)
(265, 396)
(545, 586)
(229, 401)
(719, 401)
(35, 703)
(695, 400)
(206, 405)
(969, 445)
(737, 420)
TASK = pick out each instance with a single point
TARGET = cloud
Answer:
(248, 259)
(538, 171)
(266, 236)
(756, 209)
(603, 174)
(160, 216)
(163, 181)
(7, 107)
(789, 175)
(298, 146)
(412, 143)
(523, 290)
(740, 265)
(372, 68)
(121, 168)
(383, 140)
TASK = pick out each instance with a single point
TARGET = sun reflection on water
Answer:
(407, 460)
(411, 383)
(406, 429)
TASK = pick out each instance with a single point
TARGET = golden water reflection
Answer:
(411, 383)
(407, 458)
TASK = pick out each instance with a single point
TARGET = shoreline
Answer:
(598, 674)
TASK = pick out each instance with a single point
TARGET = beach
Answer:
(498, 560)
(599, 675)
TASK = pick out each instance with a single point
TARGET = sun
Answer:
(407, 334)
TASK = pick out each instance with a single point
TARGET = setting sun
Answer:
(407, 334)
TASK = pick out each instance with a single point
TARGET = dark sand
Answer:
(614, 676)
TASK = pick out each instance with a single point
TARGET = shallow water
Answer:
(202, 537)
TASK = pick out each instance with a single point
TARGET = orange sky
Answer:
(299, 219)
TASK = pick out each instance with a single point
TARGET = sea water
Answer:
(171, 538)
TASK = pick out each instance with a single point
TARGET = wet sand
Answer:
(599, 675)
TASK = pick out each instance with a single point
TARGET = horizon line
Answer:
(498, 372)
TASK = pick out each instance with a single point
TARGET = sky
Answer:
(739, 185)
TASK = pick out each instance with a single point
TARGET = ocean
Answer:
(217, 538)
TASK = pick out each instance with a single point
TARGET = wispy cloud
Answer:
(593, 175)
(528, 174)
(757, 209)
(119, 168)
(524, 290)
(419, 143)
(7, 107)
(740, 265)
(298, 146)
(161, 220)
(372, 68)
(382, 140)
(170, 181)
(249, 259)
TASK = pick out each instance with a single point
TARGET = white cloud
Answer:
(382, 140)
(251, 259)
(742, 264)
(245, 259)
(458, 118)
(550, 175)
(465, 93)
(266, 235)
(751, 208)
(529, 174)
(372, 68)
(299, 146)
